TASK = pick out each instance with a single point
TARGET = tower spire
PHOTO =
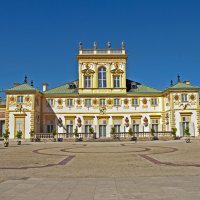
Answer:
(25, 79)
(178, 78)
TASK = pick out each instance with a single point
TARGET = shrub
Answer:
(130, 132)
(32, 133)
(6, 134)
(76, 132)
(152, 132)
(173, 131)
(112, 131)
(91, 130)
(19, 134)
(54, 132)
(187, 131)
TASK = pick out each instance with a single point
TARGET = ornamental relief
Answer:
(88, 70)
(27, 100)
(109, 103)
(12, 100)
(117, 69)
(192, 97)
(126, 103)
(60, 103)
(79, 103)
(95, 102)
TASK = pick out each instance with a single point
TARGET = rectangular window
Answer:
(102, 77)
(116, 102)
(69, 102)
(69, 129)
(154, 101)
(20, 99)
(87, 81)
(50, 102)
(184, 97)
(155, 123)
(88, 102)
(116, 82)
(69, 126)
(87, 128)
(50, 126)
(117, 128)
(135, 126)
(135, 102)
(102, 102)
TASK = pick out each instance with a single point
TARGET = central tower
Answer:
(102, 70)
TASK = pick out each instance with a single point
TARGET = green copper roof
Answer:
(181, 85)
(68, 88)
(22, 87)
(138, 88)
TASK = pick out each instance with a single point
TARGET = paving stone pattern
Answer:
(100, 171)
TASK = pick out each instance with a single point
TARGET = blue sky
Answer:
(40, 38)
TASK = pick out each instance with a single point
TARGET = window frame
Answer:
(114, 102)
(50, 102)
(102, 79)
(116, 82)
(87, 82)
(71, 104)
(135, 105)
(154, 101)
(88, 105)
(102, 100)
(20, 99)
(184, 98)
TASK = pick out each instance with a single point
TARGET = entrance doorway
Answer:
(102, 131)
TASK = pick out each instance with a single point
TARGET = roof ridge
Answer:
(184, 84)
(61, 85)
(20, 85)
(151, 87)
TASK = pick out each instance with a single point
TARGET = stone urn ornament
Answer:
(126, 122)
(79, 122)
(146, 122)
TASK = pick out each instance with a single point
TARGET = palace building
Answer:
(102, 98)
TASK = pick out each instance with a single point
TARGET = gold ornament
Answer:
(60, 101)
(144, 101)
(125, 101)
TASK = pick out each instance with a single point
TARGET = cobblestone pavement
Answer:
(100, 170)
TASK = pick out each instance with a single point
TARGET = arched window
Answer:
(102, 77)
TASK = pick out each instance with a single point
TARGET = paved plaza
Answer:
(100, 170)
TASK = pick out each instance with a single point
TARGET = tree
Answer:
(187, 132)
(130, 132)
(6, 138)
(19, 136)
(173, 132)
(54, 132)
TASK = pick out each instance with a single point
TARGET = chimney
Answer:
(44, 87)
(187, 82)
